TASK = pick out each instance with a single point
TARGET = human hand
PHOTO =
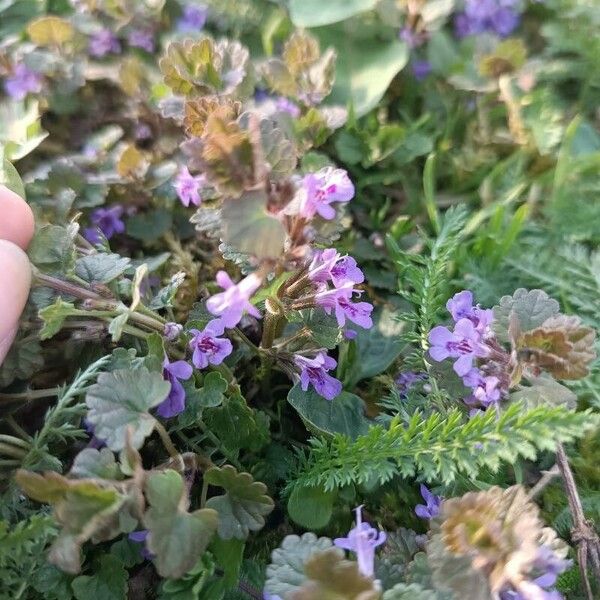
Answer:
(16, 231)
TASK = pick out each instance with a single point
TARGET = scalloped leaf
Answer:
(176, 537)
(120, 402)
(244, 505)
(409, 591)
(286, 574)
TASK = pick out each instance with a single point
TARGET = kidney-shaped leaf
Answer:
(121, 400)
(243, 507)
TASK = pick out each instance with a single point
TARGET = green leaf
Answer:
(544, 391)
(54, 316)
(52, 250)
(90, 463)
(531, 307)
(121, 401)
(82, 507)
(311, 507)
(23, 359)
(248, 227)
(344, 414)
(365, 67)
(243, 507)
(176, 537)
(101, 268)
(285, 574)
(149, 226)
(9, 176)
(229, 555)
(312, 13)
(376, 348)
(109, 581)
(236, 424)
(20, 128)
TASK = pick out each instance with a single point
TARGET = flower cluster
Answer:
(103, 42)
(496, 16)
(343, 272)
(362, 540)
(468, 342)
(192, 19)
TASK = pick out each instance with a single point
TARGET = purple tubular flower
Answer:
(464, 344)
(22, 81)
(140, 538)
(193, 18)
(172, 331)
(496, 16)
(321, 189)
(405, 381)
(108, 220)
(188, 187)
(230, 305)
(421, 69)
(287, 106)
(329, 265)
(431, 508)
(485, 388)
(363, 540)
(208, 347)
(103, 42)
(339, 300)
(174, 403)
(314, 370)
(141, 38)
(460, 306)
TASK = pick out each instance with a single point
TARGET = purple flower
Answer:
(140, 538)
(175, 401)
(22, 81)
(208, 347)
(193, 18)
(231, 304)
(141, 38)
(321, 189)
(172, 331)
(339, 300)
(421, 69)
(431, 508)
(103, 42)
(188, 187)
(496, 16)
(314, 370)
(405, 381)
(460, 306)
(464, 344)
(330, 265)
(485, 388)
(287, 106)
(108, 220)
(363, 540)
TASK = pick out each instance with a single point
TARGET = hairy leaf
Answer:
(176, 537)
(120, 401)
(244, 505)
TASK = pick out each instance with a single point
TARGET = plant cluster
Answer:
(293, 261)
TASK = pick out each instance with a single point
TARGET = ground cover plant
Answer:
(315, 293)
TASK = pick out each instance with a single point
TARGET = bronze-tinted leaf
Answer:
(300, 52)
(197, 111)
(331, 577)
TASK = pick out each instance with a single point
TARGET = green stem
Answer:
(204, 493)
(30, 395)
(166, 440)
